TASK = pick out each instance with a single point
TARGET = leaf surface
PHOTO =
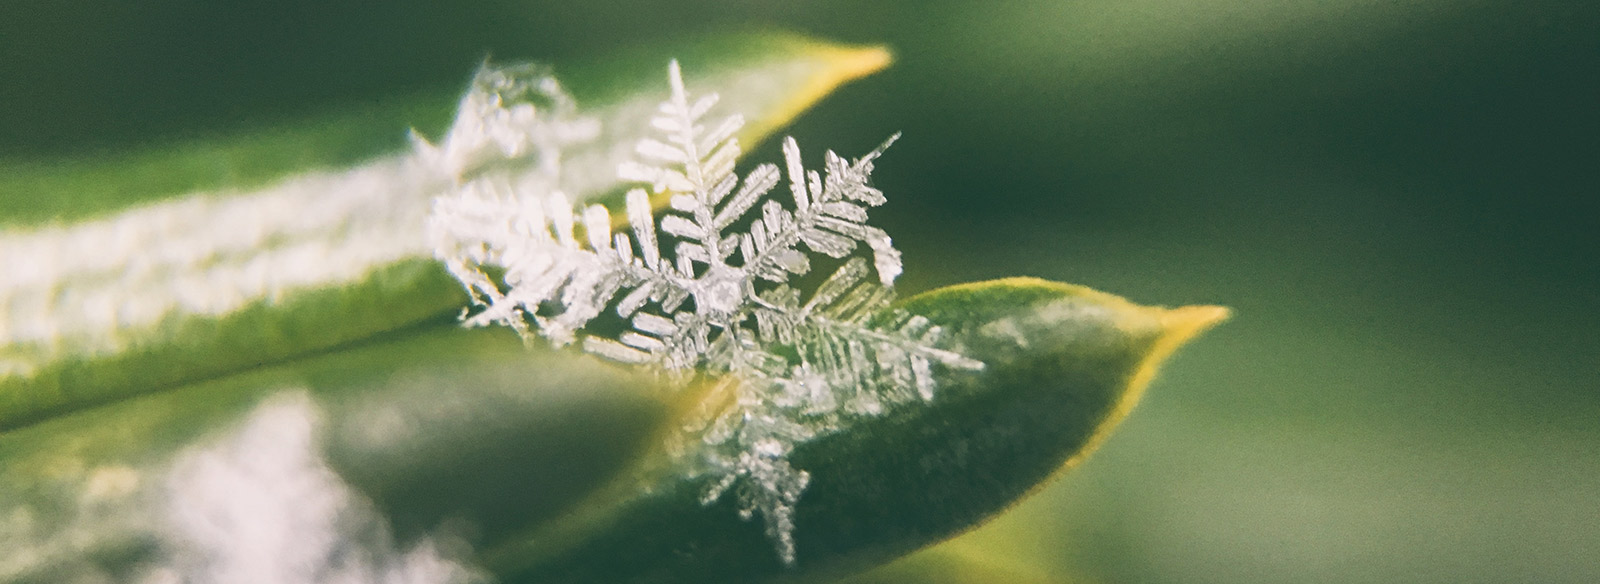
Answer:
(445, 425)
(1064, 364)
(527, 451)
(143, 271)
(941, 566)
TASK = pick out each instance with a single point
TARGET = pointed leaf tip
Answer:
(857, 62)
(1062, 365)
(1195, 319)
(836, 65)
(1179, 325)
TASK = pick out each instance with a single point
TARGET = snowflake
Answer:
(798, 365)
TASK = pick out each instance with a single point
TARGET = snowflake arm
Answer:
(797, 369)
(830, 216)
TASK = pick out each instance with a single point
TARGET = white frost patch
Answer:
(1005, 328)
(1049, 321)
(97, 287)
(261, 506)
(93, 286)
(1070, 310)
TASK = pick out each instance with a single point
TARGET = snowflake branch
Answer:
(797, 368)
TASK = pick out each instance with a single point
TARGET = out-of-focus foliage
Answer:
(1395, 196)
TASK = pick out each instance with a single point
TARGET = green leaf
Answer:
(467, 427)
(135, 393)
(125, 274)
(769, 77)
(944, 566)
(1064, 365)
(443, 424)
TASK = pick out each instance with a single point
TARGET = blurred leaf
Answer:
(173, 289)
(944, 566)
(768, 77)
(1064, 365)
(447, 423)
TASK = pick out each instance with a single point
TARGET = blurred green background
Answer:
(1397, 197)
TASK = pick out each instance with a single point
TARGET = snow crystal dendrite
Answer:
(722, 304)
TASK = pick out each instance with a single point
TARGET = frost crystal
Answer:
(511, 116)
(797, 364)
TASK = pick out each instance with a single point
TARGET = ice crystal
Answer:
(511, 116)
(797, 364)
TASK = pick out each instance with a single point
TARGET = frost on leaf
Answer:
(722, 302)
(513, 116)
